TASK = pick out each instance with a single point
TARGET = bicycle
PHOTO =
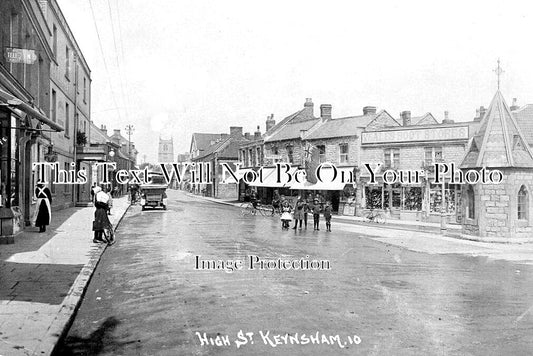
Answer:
(375, 216)
(247, 208)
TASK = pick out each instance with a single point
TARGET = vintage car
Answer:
(154, 194)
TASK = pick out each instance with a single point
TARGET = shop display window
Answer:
(373, 197)
(412, 198)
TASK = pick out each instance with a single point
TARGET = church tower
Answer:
(166, 150)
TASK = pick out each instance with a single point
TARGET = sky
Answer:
(171, 68)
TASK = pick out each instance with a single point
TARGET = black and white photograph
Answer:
(238, 177)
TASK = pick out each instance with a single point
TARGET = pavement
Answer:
(422, 237)
(43, 277)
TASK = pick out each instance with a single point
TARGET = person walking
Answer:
(43, 208)
(316, 214)
(327, 215)
(298, 213)
(101, 220)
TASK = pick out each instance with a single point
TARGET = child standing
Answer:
(327, 215)
(286, 217)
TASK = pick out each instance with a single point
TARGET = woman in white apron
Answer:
(43, 209)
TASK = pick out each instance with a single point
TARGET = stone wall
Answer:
(496, 208)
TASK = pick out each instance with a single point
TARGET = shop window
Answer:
(522, 203)
(412, 198)
(471, 207)
(321, 153)
(435, 198)
(343, 149)
(392, 157)
(373, 197)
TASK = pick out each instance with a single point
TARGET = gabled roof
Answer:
(524, 118)
(341, 127)
(203, 140)
(96, 136)
(499, 141)
(289, 128)
(227, 148)
(426, 119)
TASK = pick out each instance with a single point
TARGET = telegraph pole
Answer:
(129, 131)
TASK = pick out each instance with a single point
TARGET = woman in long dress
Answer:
(101, 220)
(43, 208)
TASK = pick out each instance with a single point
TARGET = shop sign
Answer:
(20, 55)
(426, 134)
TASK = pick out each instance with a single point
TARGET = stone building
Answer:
(24, 109)
(166, 150)
(214, 150)
(500, 212)
(412, 144)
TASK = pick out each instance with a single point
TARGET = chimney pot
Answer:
(367, 110)
(325, 111)
(406, 117)
(515, 105)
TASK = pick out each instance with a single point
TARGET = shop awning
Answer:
(270, 179)
(328, 186)
(302, 186)
(28, 109)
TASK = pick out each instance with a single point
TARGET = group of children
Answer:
(299, 213)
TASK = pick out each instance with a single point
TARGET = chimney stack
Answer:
(446, 119)
(325, 112)
(368, 110)
(224, 136)
(257, 133)
(482, 112)
(308, 105)
(235, 131)
(116, 132)
(515, 105)
(247, 135)
(270, 122)
(406, 117)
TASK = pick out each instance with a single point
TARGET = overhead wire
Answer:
(104, 60)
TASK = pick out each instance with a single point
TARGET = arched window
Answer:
(471, 207)
(522, 203)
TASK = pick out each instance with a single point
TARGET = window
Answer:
(67, 62)
(343, 149)
(84, 90)
(290, 154)
(258, 156)
(275, 150)
(53, 108)
(432, 155)
(67, 120)
(392, 157)
(522, 203)
(250, 157)
(54, 40)
(321, 153)
(471, 207)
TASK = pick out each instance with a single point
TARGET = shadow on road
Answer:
(93, 344)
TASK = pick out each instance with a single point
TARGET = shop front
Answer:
(422, 202)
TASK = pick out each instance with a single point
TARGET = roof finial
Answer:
(499, 72)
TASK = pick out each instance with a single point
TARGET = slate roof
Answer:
(524, 118)
(416, 119)
(341, 127)
(97, 136)
(203, 140)
(289, 128)
(499, 142)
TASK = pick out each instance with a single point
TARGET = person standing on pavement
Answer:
(101, 220)
(316, 214)
(327, 215)
(43, 209)
(298, 213)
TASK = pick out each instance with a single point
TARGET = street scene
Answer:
(146, 296)
(236, 178)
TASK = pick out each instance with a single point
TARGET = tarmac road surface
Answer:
(148, 298)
